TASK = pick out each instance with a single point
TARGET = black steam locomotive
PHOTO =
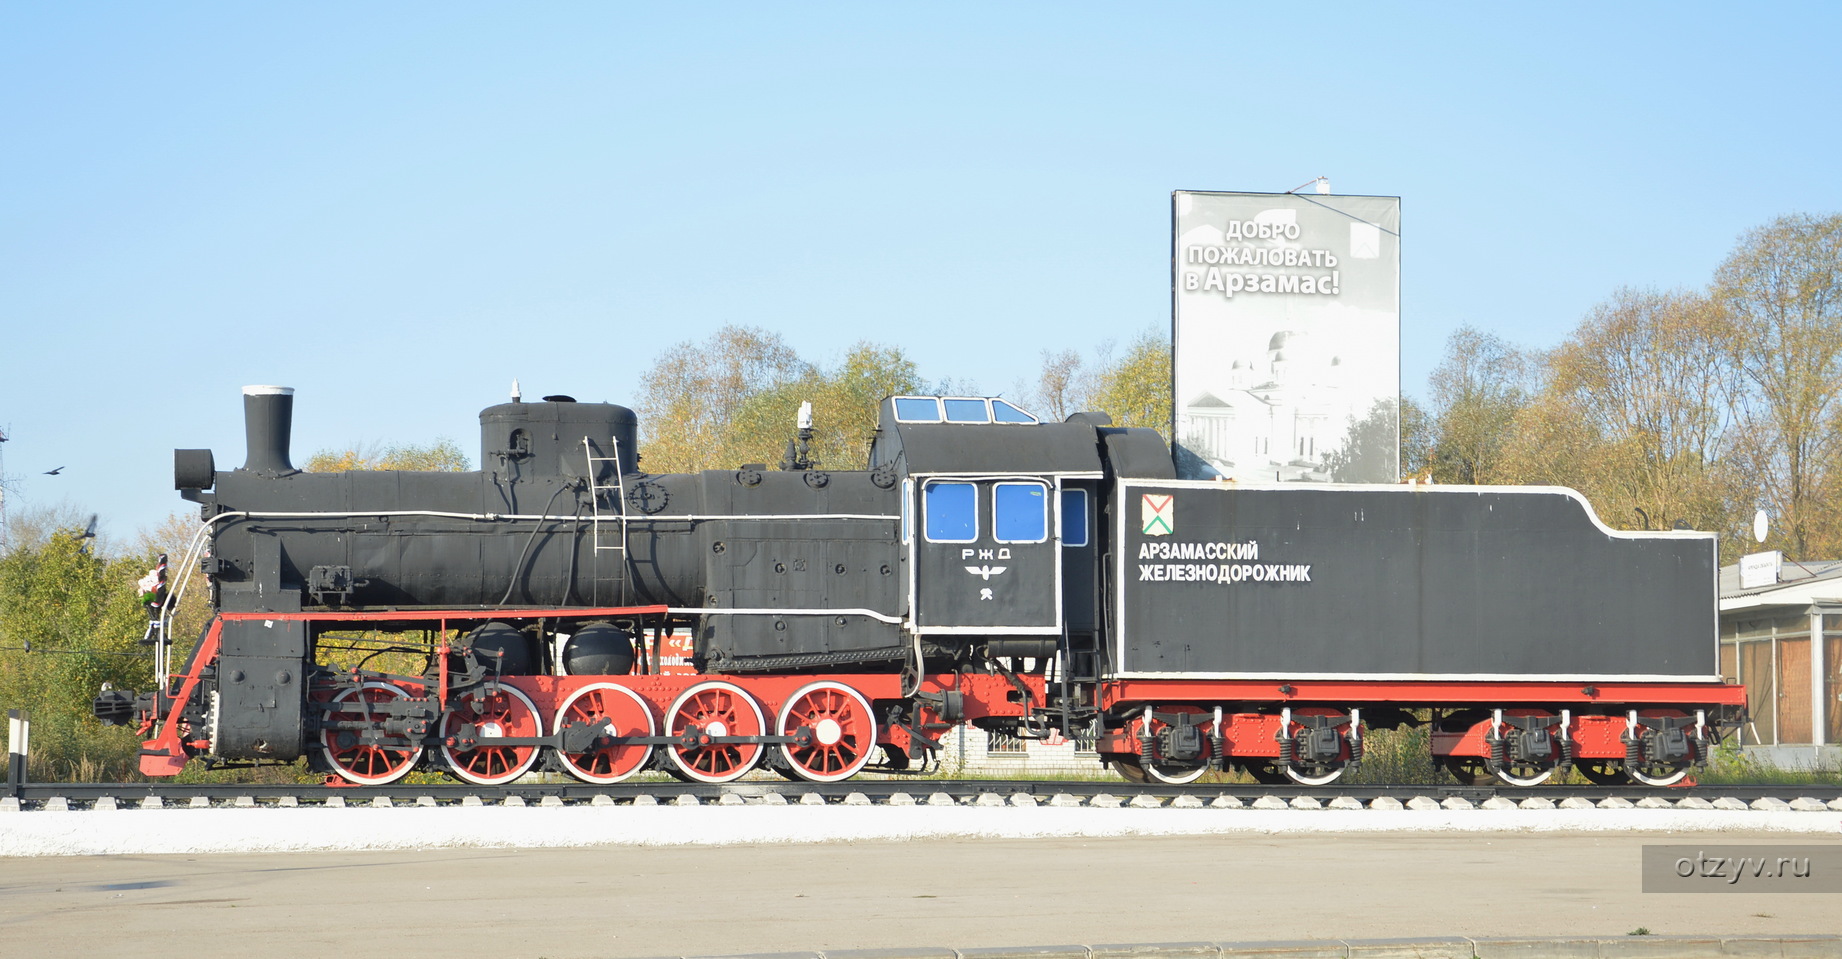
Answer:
(561, 606)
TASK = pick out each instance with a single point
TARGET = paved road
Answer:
(653, 901)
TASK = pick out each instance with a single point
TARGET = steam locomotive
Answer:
(562, 609)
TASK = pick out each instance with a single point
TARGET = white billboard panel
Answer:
(1286, 337)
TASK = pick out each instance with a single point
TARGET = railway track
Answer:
(895, 792)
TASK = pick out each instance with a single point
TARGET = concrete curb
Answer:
(188, 831)
(1450, 947)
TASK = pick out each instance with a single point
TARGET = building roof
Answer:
(1799, 584)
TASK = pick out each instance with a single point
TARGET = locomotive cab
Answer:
(982, 506)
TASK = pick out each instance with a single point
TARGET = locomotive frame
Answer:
(985, 568)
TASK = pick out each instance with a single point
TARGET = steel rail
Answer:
(879, 791)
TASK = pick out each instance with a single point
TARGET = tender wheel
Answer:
(1658, 774)
(1525, 774)
(1128, 768)
(1319, 770)
(1174, 775)
(1314, 775)
(707, 710)
(840, 732)
(1132, 769)
(366, 764)
(492, 710)
(618, 711)
(1661, 726)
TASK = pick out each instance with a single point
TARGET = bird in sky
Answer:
(54, 472)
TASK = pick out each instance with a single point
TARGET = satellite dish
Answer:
(1761, 524)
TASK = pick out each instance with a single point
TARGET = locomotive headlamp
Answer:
(193, 469)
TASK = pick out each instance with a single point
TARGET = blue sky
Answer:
(398, 208)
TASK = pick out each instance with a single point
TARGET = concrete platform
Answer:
(920, 897)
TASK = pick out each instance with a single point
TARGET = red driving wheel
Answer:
(710, 711)
(836, 730)
(619, 712)
(350, 754)
(492, 710)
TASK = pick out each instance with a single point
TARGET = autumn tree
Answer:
(692, 394)
(1782, 287)
(70, 621)
(845, 402)
(1635, 412)
(1477, 390)
(442, 455)
(1064, 386)
(1135, 390)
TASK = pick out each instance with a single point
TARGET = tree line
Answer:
(734, 398)
(1685, 408)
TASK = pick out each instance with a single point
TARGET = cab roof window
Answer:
(917, 409)
(1002, 412)
(958, 409)
(966, 410)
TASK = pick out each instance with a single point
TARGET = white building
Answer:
(1782, 638)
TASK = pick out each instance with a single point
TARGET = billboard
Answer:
(1286, 337)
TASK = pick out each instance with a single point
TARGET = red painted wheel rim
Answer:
(627, 714)
(366, 764)
(840, 731)
(719, 709)
(496, 710)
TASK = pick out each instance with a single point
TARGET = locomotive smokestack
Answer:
(268, 421)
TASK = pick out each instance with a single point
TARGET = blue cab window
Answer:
(950, 512)
(1002, 412)
(1074, 517)
(917, 409)
(1020, 513)
(967, 411)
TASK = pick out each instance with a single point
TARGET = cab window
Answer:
(1020, 512)
(1074, 517)
(949, 512)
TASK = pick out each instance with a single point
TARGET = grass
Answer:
(1732, 766)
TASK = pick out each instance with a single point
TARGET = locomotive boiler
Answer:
(981, 567)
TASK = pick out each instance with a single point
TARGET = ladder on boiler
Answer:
(618, 504)
(596, 488)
